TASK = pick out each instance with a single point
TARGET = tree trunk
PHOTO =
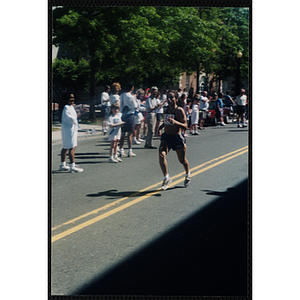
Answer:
(92, 86)
(197, 79)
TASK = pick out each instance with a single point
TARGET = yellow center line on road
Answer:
(96, 211)
(124, 206)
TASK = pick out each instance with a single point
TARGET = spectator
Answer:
(172, 138)
(114, 96)
(105, 108)
(138, 117)
(179, 93)
(182, 100)
(228, 101)
(195, 114)
(188, 111)
(159, 112)
(69, 130)
(151, 106)
(128, 106)
(114, 123)
(185, 92)
(219, 109)
(241, 108)
(204, 104)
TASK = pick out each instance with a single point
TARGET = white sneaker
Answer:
(223, 124)
(64, 168)
(113, 160)
(122, 153)
(131, 154)
(118, 159)
(76, 169)
(187, 181)
(166, 183)
(136, 142)
(239, 126)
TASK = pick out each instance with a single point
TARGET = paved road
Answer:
(114, 232)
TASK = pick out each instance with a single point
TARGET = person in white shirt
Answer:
(159, 113)
(195, 115)
(69, 130)
(241, 108)
(204, 104)
(114, 123)
(151, 106)
(138, 117)
(128, 106)
(105, 108)
(114, 96)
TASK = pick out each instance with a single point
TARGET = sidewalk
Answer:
(84, 131)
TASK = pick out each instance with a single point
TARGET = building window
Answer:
(187, 82)
(203, 84)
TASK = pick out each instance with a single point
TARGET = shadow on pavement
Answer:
(205, 255)
(115, 194)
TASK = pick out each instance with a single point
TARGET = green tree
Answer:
(152, 44)
(84, 31)
(232, 35)
(70, 74)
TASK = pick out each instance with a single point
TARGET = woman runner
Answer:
(174, 121)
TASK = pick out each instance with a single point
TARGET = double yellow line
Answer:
(194, 171)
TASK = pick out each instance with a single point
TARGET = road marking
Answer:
(65, 233)
(96, 211)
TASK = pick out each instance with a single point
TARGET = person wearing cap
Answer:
(151, 106)
(241, 108)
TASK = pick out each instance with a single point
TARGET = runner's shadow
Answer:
(114, 194)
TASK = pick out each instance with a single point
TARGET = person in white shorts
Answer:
(114, 123)
(195, 115)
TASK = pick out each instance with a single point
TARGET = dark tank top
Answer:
(168, 116)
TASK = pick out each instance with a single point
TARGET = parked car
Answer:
(211, 114)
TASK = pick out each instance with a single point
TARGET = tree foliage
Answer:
(149, 45)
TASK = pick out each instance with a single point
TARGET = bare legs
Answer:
(113, 147)
(129, 139)
(71, 155)
(163, 151)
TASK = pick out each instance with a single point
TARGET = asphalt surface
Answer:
(116, 233)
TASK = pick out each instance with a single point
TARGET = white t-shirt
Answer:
(160, 109)
(241, 100)
(127, 99)
(204, 104)
(69, 127)
(113, 98)
(195, 114)
(105, 96)
(114, 133)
